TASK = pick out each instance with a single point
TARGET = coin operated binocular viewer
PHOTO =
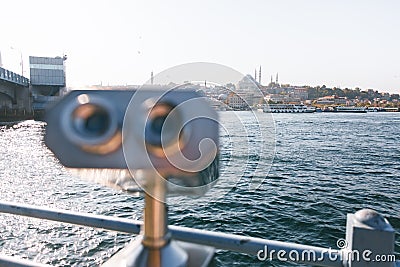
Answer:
(165, 143)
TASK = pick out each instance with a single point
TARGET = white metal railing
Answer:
(258, 247)
(13, 77)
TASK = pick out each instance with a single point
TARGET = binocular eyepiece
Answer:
(91, 123)
(156, 120)
(173, 132)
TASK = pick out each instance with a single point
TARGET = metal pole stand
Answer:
(369, 240)
(154, 247)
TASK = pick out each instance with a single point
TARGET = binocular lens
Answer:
(91, 120)
(158, 130)
(156, 125)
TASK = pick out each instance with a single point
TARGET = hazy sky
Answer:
(313, 42)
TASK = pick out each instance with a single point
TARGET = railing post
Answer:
(370, 240)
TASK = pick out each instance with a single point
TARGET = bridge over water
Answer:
(12, 77)
(22, 98)
(15, 102)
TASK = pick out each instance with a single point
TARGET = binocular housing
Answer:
(173, 132)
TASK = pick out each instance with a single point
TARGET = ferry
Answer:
(350, 109)
(392, 109)
(288, 108)
(375, 109)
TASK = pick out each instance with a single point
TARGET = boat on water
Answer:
(375, 109)
(391, 109)
(350, 109)
(288, 108)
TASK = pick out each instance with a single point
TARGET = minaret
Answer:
(152, 78)
(276, 78)
(259, 76)
(271, 79)
(1, 62)
(255, 74)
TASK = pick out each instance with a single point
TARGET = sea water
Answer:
(317, 168)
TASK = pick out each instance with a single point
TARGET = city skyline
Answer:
(333, 43)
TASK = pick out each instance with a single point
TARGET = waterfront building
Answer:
(282, 99)
(301, 93)
(236, 102)
(246, 94)
(332, 100)
(47, 81)
(47, 75)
